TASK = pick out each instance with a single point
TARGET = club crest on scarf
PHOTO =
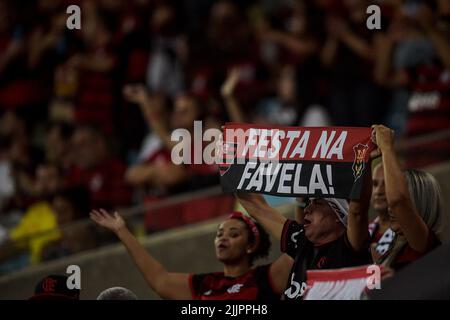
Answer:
(225, 153)
(358, 164)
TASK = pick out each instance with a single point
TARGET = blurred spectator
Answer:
(70, 205)
(355, 100)
(298, 43)
(96, 66)
(38, 226)
(164, 70)
(282, 109)
(57, 144)
(94, 169)
(159, 172)
(23, 155)
(428, 81)
(154, 170)
(15, 89)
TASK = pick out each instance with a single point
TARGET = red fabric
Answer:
(353, 137)
(409, 255)
(337, 274)
(137, 65)
(163, 218)
(20, 93)
(208, 208)
(429, 111)
(253, 285)
(186, 213)
(105, 183)
(376, 237)
(95, 96)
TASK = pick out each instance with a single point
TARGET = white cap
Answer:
(340, 208)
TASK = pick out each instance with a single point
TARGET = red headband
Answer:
(249, 222)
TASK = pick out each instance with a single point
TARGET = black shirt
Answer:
(333, 255)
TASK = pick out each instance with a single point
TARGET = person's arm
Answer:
(338, 28)
(231, 103)
(427, 19)
(165, 175)
(166, 284)
(358, 220)
(305, 47)
(259, 209)
(139, 95)
(397, 193)
(383, 73)
(329, 51)
(279, 272)
(357, 44)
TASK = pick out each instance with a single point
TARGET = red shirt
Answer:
(95, 96)
(105, 183)
(429, 111)
(256, 284)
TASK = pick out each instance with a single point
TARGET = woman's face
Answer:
(232, 242)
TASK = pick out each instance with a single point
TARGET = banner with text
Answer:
(294, 161)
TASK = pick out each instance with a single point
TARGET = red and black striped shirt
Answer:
(256, 284)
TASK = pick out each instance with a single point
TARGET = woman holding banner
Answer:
(414, 201)
(239, 241)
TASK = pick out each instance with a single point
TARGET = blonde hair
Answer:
(425, 195)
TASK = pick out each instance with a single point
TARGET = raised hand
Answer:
(230, 82)
(113, 222)
(384, 137)
(136, 93)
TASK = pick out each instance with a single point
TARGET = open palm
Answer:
(111, 222)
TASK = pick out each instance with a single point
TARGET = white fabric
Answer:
(385, 242)
(151, 144)
(340, 207)
(315, 116)
(342, 284)
(337, 290)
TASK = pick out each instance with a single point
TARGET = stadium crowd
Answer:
(86, 115)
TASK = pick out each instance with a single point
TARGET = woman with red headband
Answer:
(239, 241)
